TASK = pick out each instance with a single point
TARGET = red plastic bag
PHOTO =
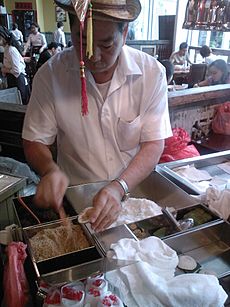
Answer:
(221, 119)
(16, 288)
(177, 148)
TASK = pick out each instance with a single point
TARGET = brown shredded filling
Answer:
(54, 242)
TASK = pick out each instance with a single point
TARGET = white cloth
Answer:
(36, 40)
(136, 209)
(100, 145)
(59, 37)
(193, 174)
(144, 283)
(13, 61)
(219, 201)
(18, 35)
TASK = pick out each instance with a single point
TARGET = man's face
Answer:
(107, 43)
(34, 29)
(183, 51)
(55, 50)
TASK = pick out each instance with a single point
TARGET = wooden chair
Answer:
(197, 73)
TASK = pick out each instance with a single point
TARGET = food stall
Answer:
(205, 239)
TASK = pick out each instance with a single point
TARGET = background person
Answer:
(36, 40)
(180, 58)
(206, 53)
(59, 35)
(169, 69)
(17, 33)
(218, 74)
(122, 137)
(53, 48)
(13, 64)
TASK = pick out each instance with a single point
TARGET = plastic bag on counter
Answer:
(177, 148)
(16, 289)
(221, 119)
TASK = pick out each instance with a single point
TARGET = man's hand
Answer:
(51, 190)
(107, 204)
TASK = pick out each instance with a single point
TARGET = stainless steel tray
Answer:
(155, 187)
(207, 162)
(63, 261)
(160, 226)
(209, 246)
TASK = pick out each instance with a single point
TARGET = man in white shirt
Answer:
(59, 35)
(122, 137)
(17, 33)
(181, 57)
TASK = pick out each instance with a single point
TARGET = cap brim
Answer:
(133, 8)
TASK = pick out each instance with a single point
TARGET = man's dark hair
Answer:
(9, 38)
(35, 25)
(183, 45)
(60, 24)
(14, 26)
(121, 25)
(205, 51)
(53, 45)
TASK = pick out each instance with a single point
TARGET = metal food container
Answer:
(10, 186)
(25, 219)
(200, 214)
(207, 162)
(209, 246)
(63, 261)
(160, 226)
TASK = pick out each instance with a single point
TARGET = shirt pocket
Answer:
(128, 133)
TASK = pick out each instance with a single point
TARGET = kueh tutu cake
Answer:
(92, 297)
(110, 300)
(98, 284)
(53, 298)
(73, 295)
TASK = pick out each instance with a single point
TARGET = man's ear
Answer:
(125, 33)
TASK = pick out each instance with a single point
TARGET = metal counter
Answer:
(10, 186)
(206, 162)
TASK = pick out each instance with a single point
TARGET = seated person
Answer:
(52, 49)
(169, 69)
(180, 58)
(206, 53)
(218, 74)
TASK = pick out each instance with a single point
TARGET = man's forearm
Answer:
(143, 163)
(39, 157)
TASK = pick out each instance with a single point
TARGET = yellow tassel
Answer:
(89, 46)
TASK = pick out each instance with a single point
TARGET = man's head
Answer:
(14, 26)
(34, 28)
(54, 48)
(110, 26)
(60, 24)
(205, 51)
(183, 48)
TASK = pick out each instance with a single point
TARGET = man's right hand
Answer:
(51, 190)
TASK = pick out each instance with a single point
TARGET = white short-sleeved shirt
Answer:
(36, 40)
(59, 37)
(13, 61)
(98, 146)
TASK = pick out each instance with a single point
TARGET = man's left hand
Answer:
(107, 204)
